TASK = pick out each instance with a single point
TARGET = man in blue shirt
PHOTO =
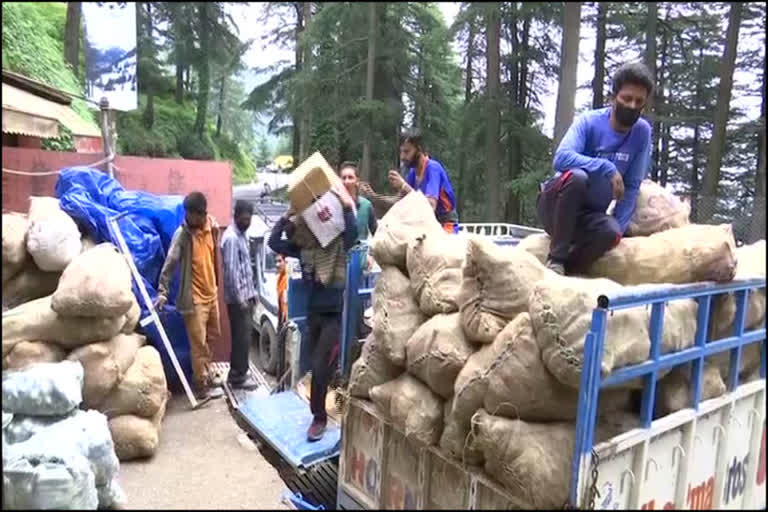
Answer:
(429, 176)
(604, 156)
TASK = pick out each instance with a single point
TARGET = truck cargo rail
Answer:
(633, 471)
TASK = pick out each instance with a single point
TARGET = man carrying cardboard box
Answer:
(323, 268)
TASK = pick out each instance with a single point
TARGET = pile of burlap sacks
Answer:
(478, 348)
(77, 305)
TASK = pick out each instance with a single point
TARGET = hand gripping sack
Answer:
(410, 217)
(96, 284)
(495, 289)
(437, 352)
(677, 256)
(371, 369)
(561, 311)
(434, 267)
(43, 389)
(136, 437)
(54, 242)
(105, 364)
(414, 410)
(35, 320)
(396, 314)
(533, 460)
(521, 387)
(30, 352)
(657, 209)
(143, 389)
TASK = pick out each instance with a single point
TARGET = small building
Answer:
(33, 111)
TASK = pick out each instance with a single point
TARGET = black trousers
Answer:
(579, 236)
(239, 323)
(324, 337)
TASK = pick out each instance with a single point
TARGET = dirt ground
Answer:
(204, 461)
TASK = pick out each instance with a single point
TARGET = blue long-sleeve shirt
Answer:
(239, 287)
(592, 145)
(322, 299)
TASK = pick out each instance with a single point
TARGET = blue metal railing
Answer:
(592, 381)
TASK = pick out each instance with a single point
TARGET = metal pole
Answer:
(106, 135)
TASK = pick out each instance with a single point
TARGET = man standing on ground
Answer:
(194, 246)
(428, 175)
(239, 293)
(325, 301)
(604, 156)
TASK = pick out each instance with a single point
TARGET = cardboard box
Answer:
(325, 218)
(310, 181)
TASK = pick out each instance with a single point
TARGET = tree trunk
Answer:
(463, 149)
(149, 111)
(221, 104)
(664, 171)
(650, 48)
(370, 76)
(306, 115)
(569, 60)
(660, 106)
(493, 27)
(598, 82)
(757, 230)
(696, 141)
(515, 163)
(178, 45)
(295, 115)
(712, 174)
(72, 36)
(204, 70)
(514, 72)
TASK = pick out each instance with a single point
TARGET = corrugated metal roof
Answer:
(28, 114)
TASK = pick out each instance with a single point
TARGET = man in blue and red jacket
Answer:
(604, 156)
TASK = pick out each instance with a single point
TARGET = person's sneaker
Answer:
(316, 430)
(249, 384)
(207, 393)
(557, 268)
(215, 380)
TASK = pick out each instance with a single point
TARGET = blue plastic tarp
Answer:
(91, 197)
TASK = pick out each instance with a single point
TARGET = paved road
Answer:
(204, 461)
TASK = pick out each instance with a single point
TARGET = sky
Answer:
(261, 56)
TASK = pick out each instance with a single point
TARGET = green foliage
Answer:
(64, 142)
(33, 35)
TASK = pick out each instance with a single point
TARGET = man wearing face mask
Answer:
(604, 156)
(428, 175)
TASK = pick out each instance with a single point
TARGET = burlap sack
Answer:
(14, 239)
(457, 441)
(678, 256)
(136, 437)
(538, 245)
(132, 317)
(434, 266)
(409, 218)
(42, 208)
(561, 311)
(675, 391)
(54, 242)
(28, 284)
(437, 352)
(471, 384)
(414, 410)
(521, 387)
(96, 284)
(533, 460)
(29, 352)
(35, 320)
(142, 391)
(657, 209)
(751, 265)
(371, 369)
(105, 365)
(495, 289)
(396, 314)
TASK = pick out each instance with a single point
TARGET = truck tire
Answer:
(268, 348)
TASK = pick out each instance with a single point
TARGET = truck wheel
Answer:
(268, 348)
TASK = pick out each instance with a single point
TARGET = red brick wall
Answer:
(156, 175)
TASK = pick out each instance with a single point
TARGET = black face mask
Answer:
(626, 116)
